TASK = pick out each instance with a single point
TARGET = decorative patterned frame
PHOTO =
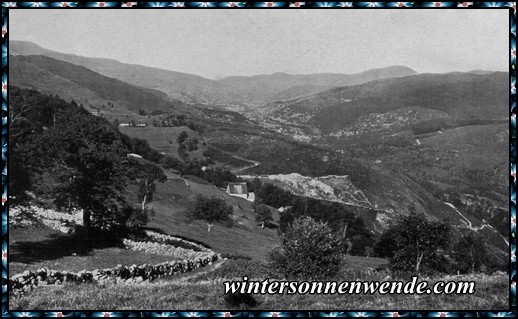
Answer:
(6, 6)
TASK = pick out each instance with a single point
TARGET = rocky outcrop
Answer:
(330, 188)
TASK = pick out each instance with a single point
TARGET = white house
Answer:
(240, 190)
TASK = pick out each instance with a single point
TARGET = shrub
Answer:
(182, 137)
(138, 218)
(240, 300)
(309, 250)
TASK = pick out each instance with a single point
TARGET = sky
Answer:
(218, 43)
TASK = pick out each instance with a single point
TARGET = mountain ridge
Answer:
(193, 88)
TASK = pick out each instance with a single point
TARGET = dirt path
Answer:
(254, 163)
(468, 223)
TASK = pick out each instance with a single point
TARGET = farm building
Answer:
(133, 155)
(240, 190)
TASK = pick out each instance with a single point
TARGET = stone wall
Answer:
(28, 280)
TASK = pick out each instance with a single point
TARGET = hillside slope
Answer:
(241, 90)
(71, 81)
(456, 95)
(262, 88)
(177, 85)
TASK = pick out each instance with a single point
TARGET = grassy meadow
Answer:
(37, 246)
(163, 139)
(203, 290)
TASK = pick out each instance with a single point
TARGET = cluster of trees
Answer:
(358, 240)
(141, 147)
(416, 244)
(219, 177)
(215, 175)
(171, 120)
(311, 249)
(59, 151)
(271, 194)
(186, 144)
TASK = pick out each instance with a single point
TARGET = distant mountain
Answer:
(260, 88)
(241, 90)
(481, 71)
(181, 86)
(390, 101)
(86, 87)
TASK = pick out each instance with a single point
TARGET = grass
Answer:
(159, 138)
(172, 200)
(34, 247)
(97, 259)
(205, 292)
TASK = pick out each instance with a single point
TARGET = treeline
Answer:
(170, 120)
(416, 244)
(338, 217)
(63, 155)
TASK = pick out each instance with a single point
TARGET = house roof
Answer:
(237, 188)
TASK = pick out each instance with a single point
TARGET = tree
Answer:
(85, 158)
(386, 246)
(470, 253)
(146, 175)
(413, 243)
(191, 144)
(171, 162)
(309, 250)
(211, 209)
(182, 137)
(263, 214)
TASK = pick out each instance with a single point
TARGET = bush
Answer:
(310, 250)
(240, 300)
(137, 218)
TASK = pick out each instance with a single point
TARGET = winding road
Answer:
(469, 225)
(254, 163)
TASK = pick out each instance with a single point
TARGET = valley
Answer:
(231, 159)
(396, 136)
